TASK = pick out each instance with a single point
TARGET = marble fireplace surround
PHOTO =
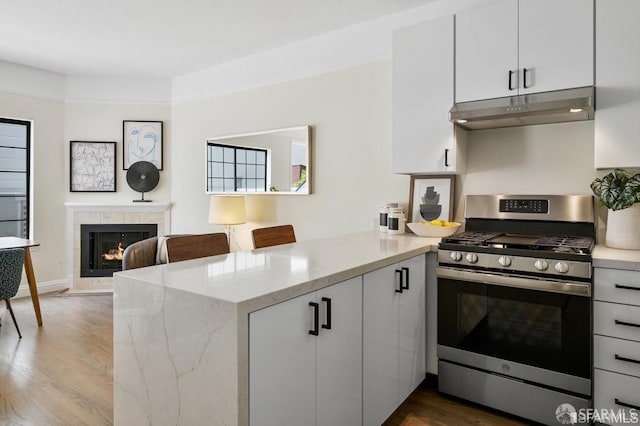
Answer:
(102, 213)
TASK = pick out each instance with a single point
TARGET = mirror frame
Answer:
(227, 141)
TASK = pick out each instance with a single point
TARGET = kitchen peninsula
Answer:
(182, 330)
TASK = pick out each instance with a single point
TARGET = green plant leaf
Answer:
(617, 190)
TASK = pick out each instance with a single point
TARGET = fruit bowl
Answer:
(426, 229)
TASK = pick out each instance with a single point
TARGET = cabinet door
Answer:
(422, 83)
(282, 364)
(380, 344)
(339, 371)
(555, 44)
(486, 50)
(617, 84)
(412, 327)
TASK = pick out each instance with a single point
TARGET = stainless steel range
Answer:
(514, 304)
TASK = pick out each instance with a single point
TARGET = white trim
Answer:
(43, 287)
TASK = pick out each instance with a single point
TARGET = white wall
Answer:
(50, 183)
(103, 122)
(544, 159)
(350, 115)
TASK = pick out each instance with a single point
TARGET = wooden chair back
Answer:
(273, 236)
(196, 246)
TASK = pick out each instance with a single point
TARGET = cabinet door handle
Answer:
(316, 318)
(626, 404)
(446, 158)
(406, 271)
(627, 287)
(629, 324)
(510, 80)
(524, 78)
(327, 323)
(622, 358)
(399, 290)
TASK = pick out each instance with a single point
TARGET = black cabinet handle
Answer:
(406, 271)
(524, 78)
(622, 358)
(510, 78)
(626, 404)
(629, 324)
(327, 323)
(316, 318)
(627, 287)
(399, 290)
(446, 158)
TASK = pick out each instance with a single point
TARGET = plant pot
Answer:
(623, 228)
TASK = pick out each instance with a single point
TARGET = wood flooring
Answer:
(62, 373)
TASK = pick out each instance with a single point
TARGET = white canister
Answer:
(384, 215)
(396, 221)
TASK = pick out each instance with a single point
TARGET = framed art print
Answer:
(92, 166)
(142, 141)
(431, 197)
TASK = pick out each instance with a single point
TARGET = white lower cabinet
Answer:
(394, 337)
(616, 345)
(299, 378)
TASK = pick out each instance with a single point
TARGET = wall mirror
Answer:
(268, 162)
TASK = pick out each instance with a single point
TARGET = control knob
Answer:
(541, 265)
(471, 257)
(456, 256)
(504, 261)
(562, 267)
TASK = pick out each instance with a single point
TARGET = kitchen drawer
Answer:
(615, 320)
(621, 356)
(615, 285)
(616, 394)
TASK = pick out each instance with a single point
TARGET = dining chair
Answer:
(11, 264)
(273, 235)
(196, 246)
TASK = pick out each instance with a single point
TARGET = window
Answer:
(15, 142)
(236, 169)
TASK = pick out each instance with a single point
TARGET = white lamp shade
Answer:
(227, 209)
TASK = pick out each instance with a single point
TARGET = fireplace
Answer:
(102, 245)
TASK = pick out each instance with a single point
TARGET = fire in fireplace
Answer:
(102, 246)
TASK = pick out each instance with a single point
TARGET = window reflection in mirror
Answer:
(274, 161)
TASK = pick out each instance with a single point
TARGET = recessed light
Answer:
(575, 109)
(462, 121)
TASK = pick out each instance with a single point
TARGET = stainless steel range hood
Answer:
(537, 108)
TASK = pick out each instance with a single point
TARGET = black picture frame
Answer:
(142, 141)
(92, 166)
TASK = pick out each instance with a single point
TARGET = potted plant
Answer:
(619, 191)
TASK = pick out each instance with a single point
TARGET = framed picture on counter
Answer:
(431, 197)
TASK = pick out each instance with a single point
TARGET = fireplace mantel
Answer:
(82, 213)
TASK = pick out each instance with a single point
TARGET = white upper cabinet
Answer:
(523, 46)
(424, 141)
(617, 84)
(487, 52)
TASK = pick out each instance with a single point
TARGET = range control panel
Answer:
(524, 206)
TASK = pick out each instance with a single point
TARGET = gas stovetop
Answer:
(538, 244)
(533, 235)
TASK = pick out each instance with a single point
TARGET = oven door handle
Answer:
(565, 287)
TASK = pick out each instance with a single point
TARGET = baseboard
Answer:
(43, 287)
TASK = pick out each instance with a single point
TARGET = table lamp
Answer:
(227, 210)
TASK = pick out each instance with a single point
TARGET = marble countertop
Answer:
(606, 257)
(263, 277)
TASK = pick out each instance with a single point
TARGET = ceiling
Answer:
(166, 38)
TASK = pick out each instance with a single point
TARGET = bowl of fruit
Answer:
(435, 228)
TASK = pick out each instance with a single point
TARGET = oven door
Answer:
(528, 328)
